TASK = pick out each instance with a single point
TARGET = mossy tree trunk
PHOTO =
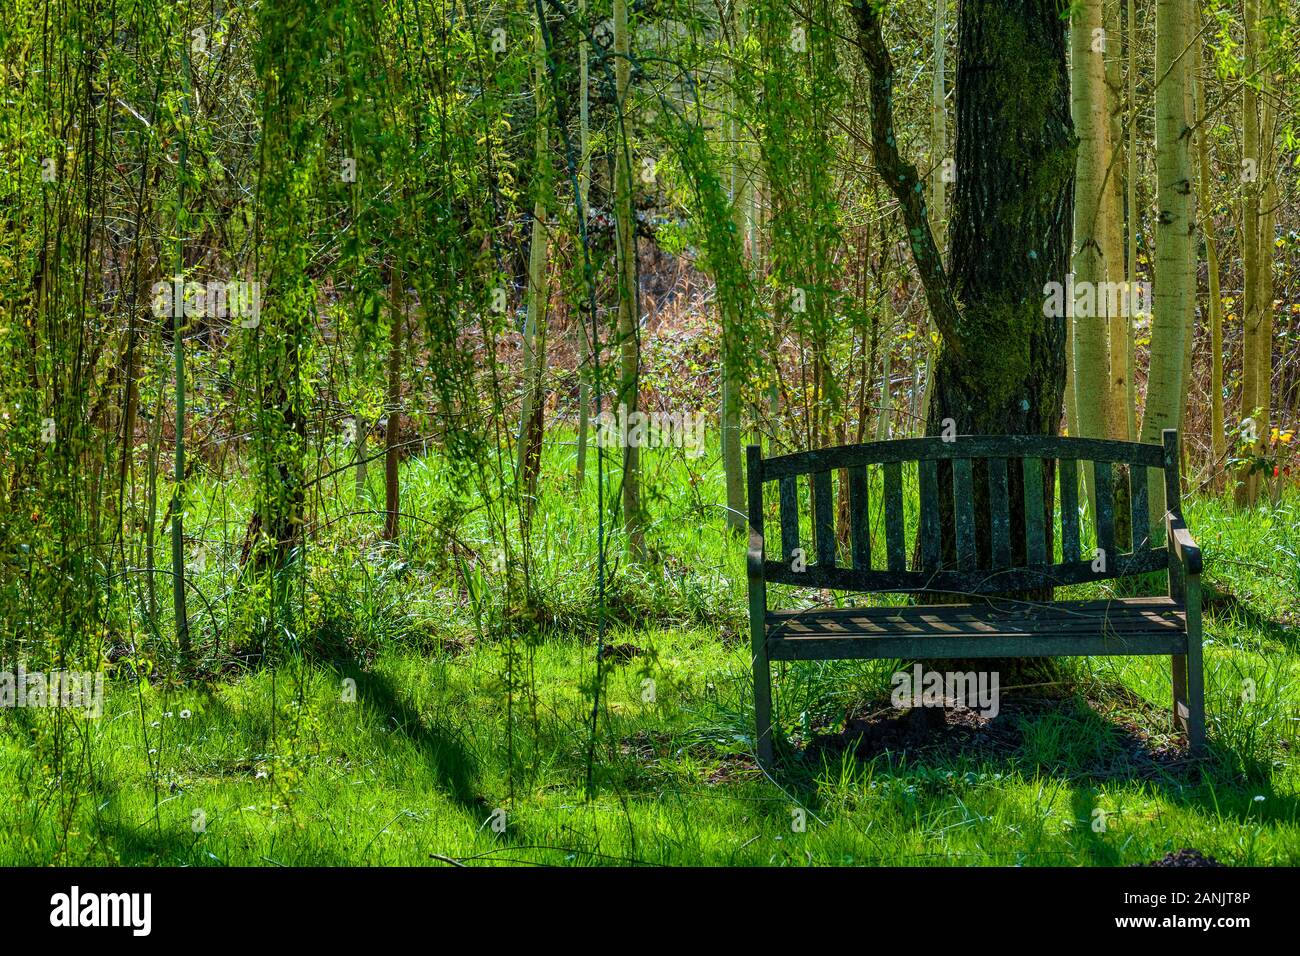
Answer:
(1001, 367)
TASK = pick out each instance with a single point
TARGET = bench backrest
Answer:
(978, 476)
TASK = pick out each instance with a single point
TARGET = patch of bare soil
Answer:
(1184, 857)
(1126, 722)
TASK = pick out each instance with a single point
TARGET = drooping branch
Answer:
(901, 176)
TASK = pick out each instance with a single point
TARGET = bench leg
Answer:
(1181, 709)
(1195, 699)
(1195, 669)
(763, 705)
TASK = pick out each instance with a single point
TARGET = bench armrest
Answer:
(1183, 545)
(754, 559)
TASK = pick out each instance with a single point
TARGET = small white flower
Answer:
(1259, 798)
(185, 715)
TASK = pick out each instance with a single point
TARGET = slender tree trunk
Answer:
(731, 387)
(1091, 219)
(532, 403)
(1252, 163)
(1112, 237)
(392, 503)
(938, 188)
(178, 351)
(1134, 220)
(584, 187)
(629, 298)
(363, 466)
(1217, 439)
(1174, 229)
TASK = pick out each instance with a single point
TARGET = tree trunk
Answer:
(392, 503)
(628, 292)
(1112, 238)
(1091, 225)
(584, 185)
(938, 188)
(1001, 368)
(1217, 441)
(731, 387)
(532, 402)
(1130, 344)
(1175, 276)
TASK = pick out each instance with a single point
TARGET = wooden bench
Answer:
(973, 547)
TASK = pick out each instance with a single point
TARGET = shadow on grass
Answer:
(1067, 739)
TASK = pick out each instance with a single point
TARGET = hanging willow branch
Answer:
(901, 176)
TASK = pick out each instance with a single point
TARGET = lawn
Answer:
(417, 718)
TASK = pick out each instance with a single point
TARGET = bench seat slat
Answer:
(1131, 626)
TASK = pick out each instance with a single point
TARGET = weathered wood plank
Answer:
(975, 446)
(967, 582)
(1104, 483)
(789, 516)
(963, 493)
(754, 487)
(1140, 506)
(1173, 481)
(1035, 535)
(859, 518)
(947, 648)
(894, 516)
(931, 543)
(824, 518)
(999, 513)
(1069, 509)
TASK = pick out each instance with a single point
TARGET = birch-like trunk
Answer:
(1091, 126)
(1174, 229)
(1217, 440)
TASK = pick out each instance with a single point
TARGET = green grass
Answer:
(464, 708)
